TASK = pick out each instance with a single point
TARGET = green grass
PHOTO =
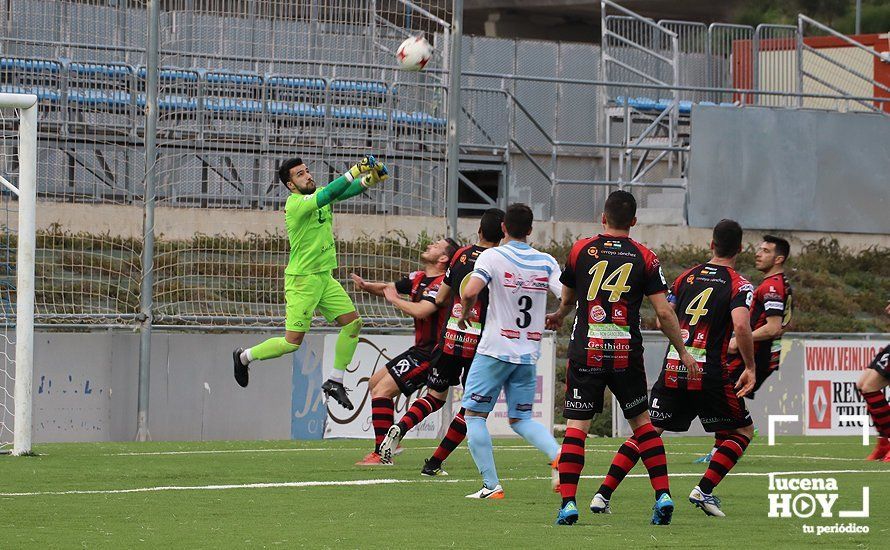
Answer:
(411, 510)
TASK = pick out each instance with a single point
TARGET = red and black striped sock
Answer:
(382, 417)
(420, 409)
(652, 452)
(719, 438)
(628, 455)
(728, 454)
(571, 462)
(879, 410)
(457, 431)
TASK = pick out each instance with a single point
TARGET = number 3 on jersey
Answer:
(696, 308)
(616, 282)
(525, 305)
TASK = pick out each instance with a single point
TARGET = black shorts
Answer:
(447, 370)
(585, 389)
(881, 363)
(716, 406)
(409, 370)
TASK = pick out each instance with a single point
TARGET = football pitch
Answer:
(295, 494)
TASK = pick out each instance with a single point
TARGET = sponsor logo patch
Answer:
(597, 314)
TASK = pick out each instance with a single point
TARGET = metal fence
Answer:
(242, 84)
(229, 90)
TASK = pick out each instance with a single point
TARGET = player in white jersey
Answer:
(518, 278)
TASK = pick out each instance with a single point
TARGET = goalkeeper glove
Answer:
(363, 167)
(378, 175)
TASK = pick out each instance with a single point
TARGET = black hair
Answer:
(727, 238)
(783, 248)
(620, 210)
(285, 168)
(490, 225)
(518, 220)
(452, 249)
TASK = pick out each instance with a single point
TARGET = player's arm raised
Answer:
(741, 325)
(373, 288)
(363, 171)
(670, 326)
(418, 310)
(379, 174)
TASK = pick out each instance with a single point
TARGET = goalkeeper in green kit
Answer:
(308, 280)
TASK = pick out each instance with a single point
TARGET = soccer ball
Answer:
(414, 53)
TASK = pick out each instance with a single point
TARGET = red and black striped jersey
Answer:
(420, 287)
(704, 298)
(771, 298)
(610, 275)
(457, 342)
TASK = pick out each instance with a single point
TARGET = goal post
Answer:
(19, 322)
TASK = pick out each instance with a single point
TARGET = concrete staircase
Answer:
(665, 206)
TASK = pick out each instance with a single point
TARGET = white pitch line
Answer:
(347, 483)
(613, 446)
(290, 450)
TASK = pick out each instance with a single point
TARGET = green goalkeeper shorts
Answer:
(306, 293)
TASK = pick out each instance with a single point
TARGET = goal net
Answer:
(18, 169)
(316, 80)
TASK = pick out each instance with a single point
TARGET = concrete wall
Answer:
(765, 174)
(178, 223)
(85, 388)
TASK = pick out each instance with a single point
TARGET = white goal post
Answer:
(25, 189)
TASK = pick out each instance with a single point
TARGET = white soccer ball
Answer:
(414, 53)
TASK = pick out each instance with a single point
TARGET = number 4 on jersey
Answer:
(696, 308)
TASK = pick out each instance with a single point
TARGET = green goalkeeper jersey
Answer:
(310, 233)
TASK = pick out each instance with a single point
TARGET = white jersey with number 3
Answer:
(518, 279)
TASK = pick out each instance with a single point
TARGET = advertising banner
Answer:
(831, 368)
(372, 354)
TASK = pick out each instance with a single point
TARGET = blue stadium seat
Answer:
(42, 92)
(41, 77)
(31, 65)
(296, 83)
(358, 86)
(170, 102)
(110, 70)
(171, 74)
(293, 109)
(361, 113)
(296, 108)
(229, 104)
(647, 104)
(99, 97)
(418, 119)
(243, 78)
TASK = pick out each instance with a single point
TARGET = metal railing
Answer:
(840, 73)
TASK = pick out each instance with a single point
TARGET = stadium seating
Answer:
(649, 105)
(37, 76)
(92, 97)
(99, 98)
